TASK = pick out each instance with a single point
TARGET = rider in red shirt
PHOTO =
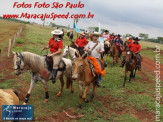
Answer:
(135, 47)
(81, 42)
(55, 45)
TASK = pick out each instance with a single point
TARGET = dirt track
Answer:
(149, 66)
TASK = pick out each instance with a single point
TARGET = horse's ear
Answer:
(13, 52)
(84, 55)
(77, 55)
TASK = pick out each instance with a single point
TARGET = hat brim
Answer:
(60, 33)
(95, 34)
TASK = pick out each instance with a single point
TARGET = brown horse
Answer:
(82, 72)
(114, 53)
(7, 97)
(131, 64)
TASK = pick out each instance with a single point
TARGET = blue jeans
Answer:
(99, 77)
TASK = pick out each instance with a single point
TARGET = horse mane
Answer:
(33, 61)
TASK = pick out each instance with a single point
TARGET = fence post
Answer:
(14, 40)
(9, 48)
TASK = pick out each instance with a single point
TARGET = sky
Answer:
(118, 16)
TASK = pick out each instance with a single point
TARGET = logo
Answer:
(17, 112)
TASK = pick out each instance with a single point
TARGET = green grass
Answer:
(111, 92)
(20, 41)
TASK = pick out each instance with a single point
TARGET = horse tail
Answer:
(68, 82)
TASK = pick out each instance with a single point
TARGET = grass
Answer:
(20, 41)
(110, 99)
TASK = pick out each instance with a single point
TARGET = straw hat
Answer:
(95, 33)
(57, 32)
(82, 33)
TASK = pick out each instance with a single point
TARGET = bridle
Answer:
(129, 51)
(18, 63)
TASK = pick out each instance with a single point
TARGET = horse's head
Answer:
(18, 63)
(66, 51)
(78, 67)
(129, 56)
(74, 53)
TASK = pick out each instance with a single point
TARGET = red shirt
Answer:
(129, 41)
(55, 45)
(110, 38)
(134, 47)
(81, 42)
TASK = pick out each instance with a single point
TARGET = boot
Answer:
(139, 67)
(97, 82)
(54, 74)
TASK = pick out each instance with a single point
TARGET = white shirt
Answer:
(94, 52)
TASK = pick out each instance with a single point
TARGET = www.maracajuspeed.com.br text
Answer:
(48, 16)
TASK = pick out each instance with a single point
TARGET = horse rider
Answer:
(81, 42)
(106, 35)
(128, 41)
(95, 49)
(56, 46)
(135, 47)
(119, 43)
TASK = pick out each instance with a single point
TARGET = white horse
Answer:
(40, 71)
(73, 53)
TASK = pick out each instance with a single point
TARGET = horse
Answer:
(114, 54)
(131, 64)
(84, 75)
(40, 71)
(72, 52)
(106, 49)
(8, 97)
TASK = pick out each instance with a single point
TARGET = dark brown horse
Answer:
(83, 73)
(131, 65)
(114, 53)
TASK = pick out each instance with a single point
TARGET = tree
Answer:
(143, 36)
(43, 22)
(52, 24)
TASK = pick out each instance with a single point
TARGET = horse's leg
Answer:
(46, 91)
(113, 61)
(80, 93)
(71, 85)
(29, 91)
(131, 74)
(125, 78)
(93, 93)
(62, 85)
(85, 93)
(134, 73)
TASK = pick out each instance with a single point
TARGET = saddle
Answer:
(93, 67)
(49, 63)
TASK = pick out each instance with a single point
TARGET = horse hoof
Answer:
(46, 100)
(24, 103)
(79, 106)
(59, 94)
(86, 101)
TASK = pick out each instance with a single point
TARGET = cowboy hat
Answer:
(119, 35)
(95, 33)
(57, 32)
(136, 39)
(106, 31)
(82, 33)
